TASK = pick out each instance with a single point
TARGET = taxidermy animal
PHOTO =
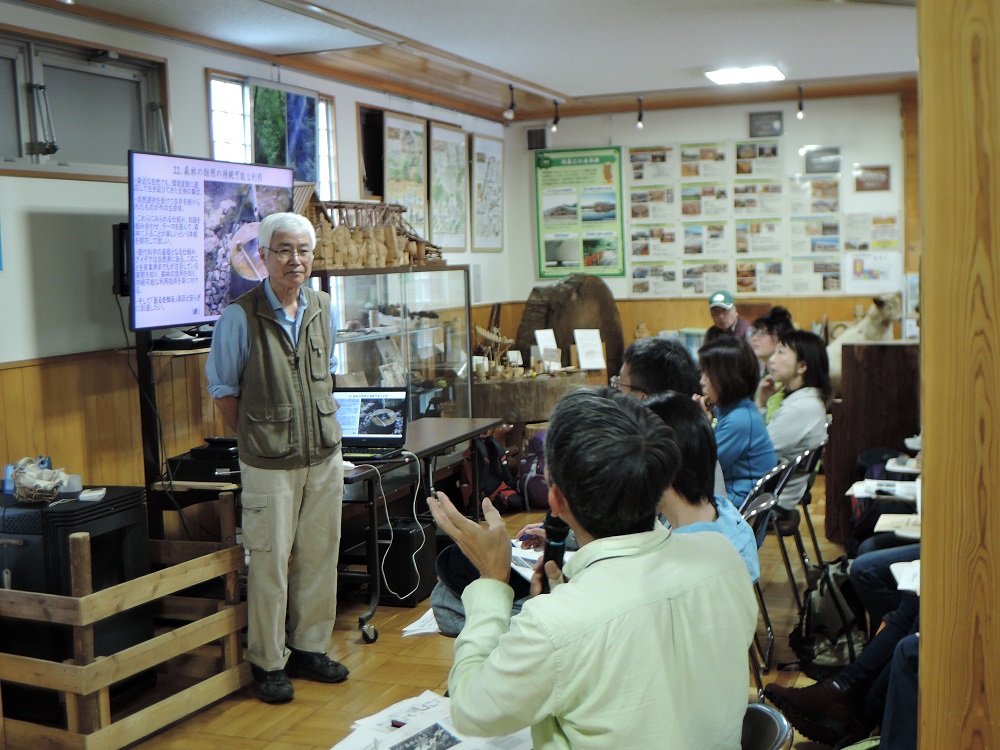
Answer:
(876, 325)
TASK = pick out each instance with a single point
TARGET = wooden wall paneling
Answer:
(5, 421)
(62, 413)
(19, 441)
(959, 44)
(99, 405)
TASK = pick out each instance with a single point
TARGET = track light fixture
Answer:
(801, 114)
(508, 114)
(638, 122)
(555, 119)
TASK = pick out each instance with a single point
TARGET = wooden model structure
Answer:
(208, 624)
(362, 234)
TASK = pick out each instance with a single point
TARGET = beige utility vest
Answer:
(287, 413)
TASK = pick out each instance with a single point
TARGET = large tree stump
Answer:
(577, 301)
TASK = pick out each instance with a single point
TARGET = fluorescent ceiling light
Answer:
(757, 74)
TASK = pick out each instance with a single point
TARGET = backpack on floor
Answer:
(496, 481)
(832, 629)
(531, 477)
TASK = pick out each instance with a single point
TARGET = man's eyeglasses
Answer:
(616, 382)
(285, 254)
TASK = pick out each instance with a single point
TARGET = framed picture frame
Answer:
(487, 194)
(405, 157)
(285, 132)
(449, 187)
(766, 124)
(825, 160)
(579, 212)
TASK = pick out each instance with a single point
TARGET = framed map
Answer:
(487, 194)
(406, 167)
(449, 186)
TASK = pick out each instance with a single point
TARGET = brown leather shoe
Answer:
(822, 712)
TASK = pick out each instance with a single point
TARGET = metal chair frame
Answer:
(764, 728)
(757, 513)
(806, 462)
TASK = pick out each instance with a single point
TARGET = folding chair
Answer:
(757, 513)
(804, 464)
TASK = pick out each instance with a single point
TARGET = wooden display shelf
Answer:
(85, 680)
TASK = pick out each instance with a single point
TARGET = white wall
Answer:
(55, 235)
(867, 129)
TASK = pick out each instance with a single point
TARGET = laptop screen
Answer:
(372, 416)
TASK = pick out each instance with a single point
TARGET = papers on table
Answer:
(902, 466)
(422, 723)
(907, 575)
(905, 525)
(897, 490)
(424, 626)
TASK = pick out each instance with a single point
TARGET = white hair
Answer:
(285, 222)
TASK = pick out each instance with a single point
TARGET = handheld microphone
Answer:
(556, 531)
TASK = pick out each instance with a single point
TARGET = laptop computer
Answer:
(373, 422)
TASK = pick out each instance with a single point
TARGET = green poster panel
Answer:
(578, 194)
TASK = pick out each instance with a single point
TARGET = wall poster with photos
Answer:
(750, 215)
(406, 167)
(487, 194)
(579, 212)
(449, 186)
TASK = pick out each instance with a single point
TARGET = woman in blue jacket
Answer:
(729, 376)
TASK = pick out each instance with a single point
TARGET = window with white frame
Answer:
(231, 104)
(76, 110)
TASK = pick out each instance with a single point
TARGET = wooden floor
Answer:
(395, 667)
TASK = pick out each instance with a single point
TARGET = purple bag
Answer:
(531, 473)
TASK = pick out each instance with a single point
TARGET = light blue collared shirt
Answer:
(231, 342)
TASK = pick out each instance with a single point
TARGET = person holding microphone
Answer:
(616, 656)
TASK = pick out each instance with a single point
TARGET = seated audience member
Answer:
(848, 707)
(688, 504)
(616, 657)
(874, 583)
(725, 318)
(799, 362)
(899, 722)
(650, 366)
(728, 381)
(653, 365)
(763, 339)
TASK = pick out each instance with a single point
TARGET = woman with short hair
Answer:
(800, 363)
(729, 378)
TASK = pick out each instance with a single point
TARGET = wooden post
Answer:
(959, 43)
(231, 651)
(85, 713)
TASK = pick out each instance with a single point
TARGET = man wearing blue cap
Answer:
(727, 319)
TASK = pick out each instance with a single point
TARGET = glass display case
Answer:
(405, 326)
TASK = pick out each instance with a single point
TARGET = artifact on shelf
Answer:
(363, 234)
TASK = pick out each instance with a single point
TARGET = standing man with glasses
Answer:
(270, 373)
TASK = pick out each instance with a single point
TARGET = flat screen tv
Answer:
(193, 234)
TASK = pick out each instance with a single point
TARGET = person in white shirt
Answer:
(645, 645)
(800, 364)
